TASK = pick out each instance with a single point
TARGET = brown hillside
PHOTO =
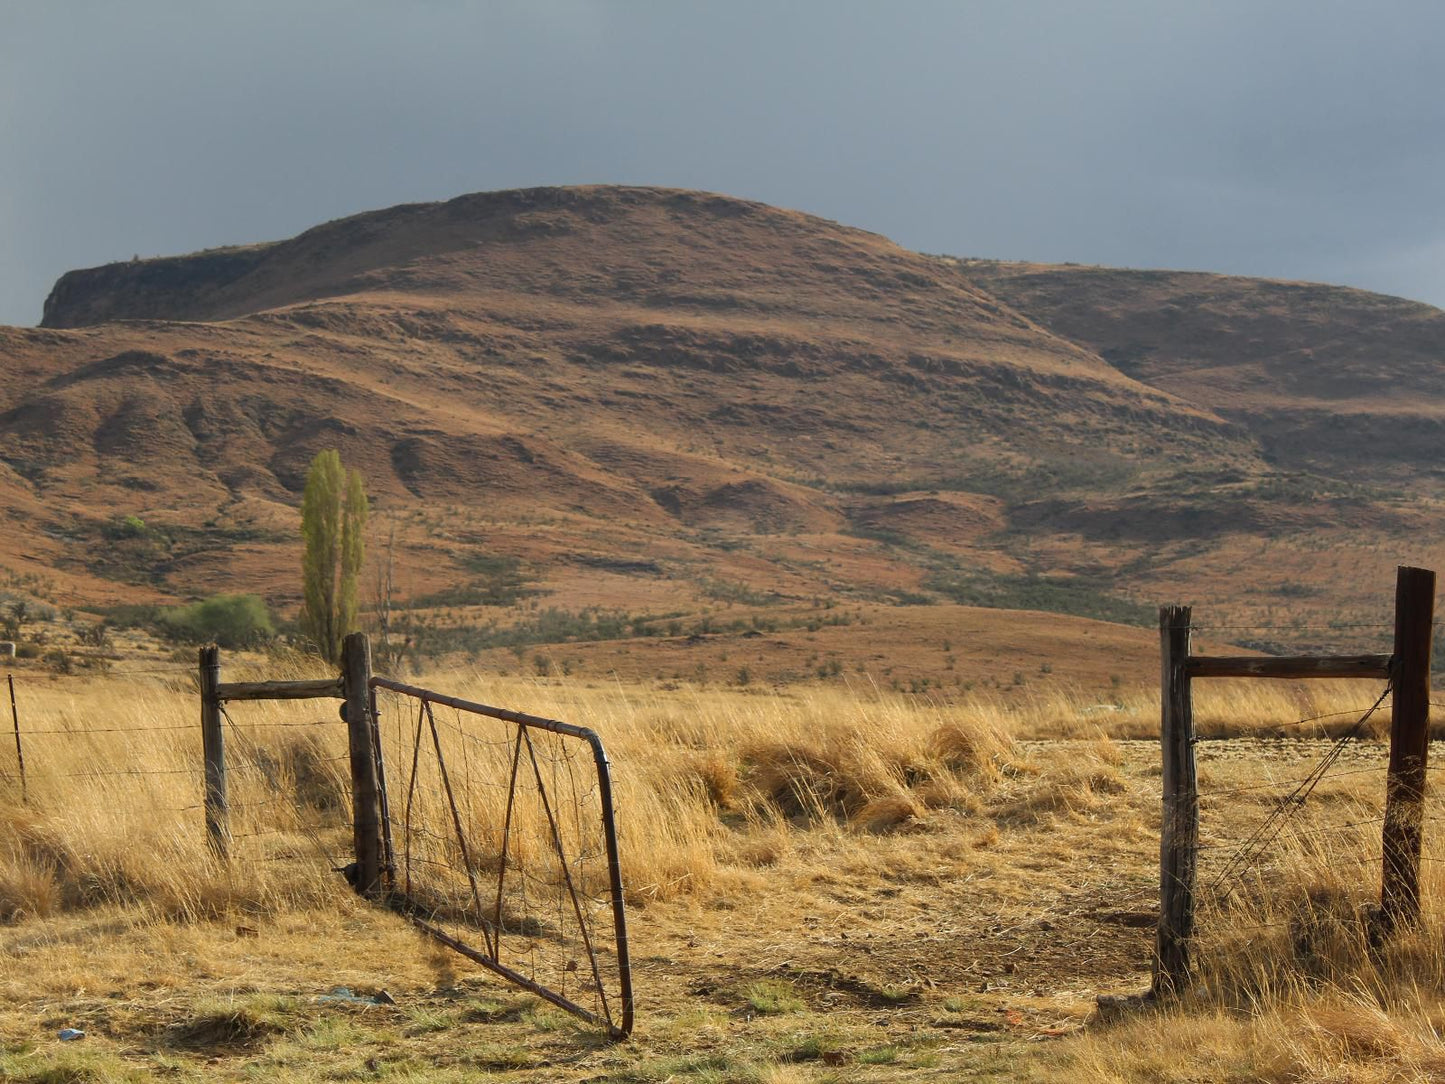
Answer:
(1328, 378)
(654, 401)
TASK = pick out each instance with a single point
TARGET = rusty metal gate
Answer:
(501, 843)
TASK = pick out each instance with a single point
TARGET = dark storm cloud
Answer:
(1286, 139)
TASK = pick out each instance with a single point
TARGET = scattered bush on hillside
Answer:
(500, 582)
(96, 635)
(431, 636)
(733, 592)
(12, 620)
(16, 613)
(126, 527)
(550, 626)
(1078, 596)
(1101, 471)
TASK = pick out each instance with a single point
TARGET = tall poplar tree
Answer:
(333, 519)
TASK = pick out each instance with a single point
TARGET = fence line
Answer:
(1401, 822)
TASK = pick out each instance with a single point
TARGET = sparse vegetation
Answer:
(1077, 595)
(499, 581)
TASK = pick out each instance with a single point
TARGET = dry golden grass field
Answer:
(826, 882)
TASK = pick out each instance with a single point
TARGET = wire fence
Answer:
(287, 787)
(287, 779)
(1290, 836)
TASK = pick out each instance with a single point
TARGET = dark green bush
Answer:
(122, 527)
(232, 621)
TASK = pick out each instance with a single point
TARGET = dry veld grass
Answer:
(827, 883)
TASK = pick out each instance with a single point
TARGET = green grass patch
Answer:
(771, 996)
(879, 1055)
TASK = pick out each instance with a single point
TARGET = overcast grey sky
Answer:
(1292, 139)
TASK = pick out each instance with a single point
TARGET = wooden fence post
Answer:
(1179, 826)
(388, 858)
(1409, 748)
(366, 806)
(213, 743)
(19, 753)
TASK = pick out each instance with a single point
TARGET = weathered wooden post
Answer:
(213, 744)
(366, 804)
(388, 858)
(1179, 826)
(19, 753)
(1409, 748)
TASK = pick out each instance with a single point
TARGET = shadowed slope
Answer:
(1329, 378)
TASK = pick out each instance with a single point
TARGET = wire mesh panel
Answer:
(503, 845)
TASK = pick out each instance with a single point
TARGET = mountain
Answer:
(661, 401)
(1326, 378)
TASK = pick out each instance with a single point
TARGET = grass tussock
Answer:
(234, 1024)
(1330, 1037)
(1296, 979)
(1083, 781)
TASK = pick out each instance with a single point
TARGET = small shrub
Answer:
(96, 635)
(231, 621)
(125, 527)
